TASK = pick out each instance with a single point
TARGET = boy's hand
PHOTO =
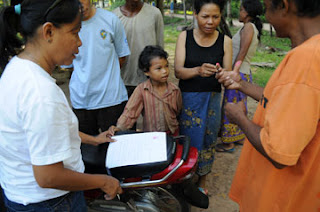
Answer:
(105, 136)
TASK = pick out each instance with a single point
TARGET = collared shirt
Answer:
(159, 112)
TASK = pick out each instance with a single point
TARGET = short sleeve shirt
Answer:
(37, 127)
(288, 113)
(96, 80)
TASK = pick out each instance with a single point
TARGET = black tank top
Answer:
(197, 55)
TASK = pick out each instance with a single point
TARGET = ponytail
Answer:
(32, 14)
(258, 23)
(9, 29)
(254, 9)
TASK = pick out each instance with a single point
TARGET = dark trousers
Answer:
(93, 122)
(71, 202)
(130, 89)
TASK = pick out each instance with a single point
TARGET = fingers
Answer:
(107, 197)
(112, 188)
(227, 82)
(237, 66)
(207, 70)
(120, 191)
(111, 130)
(242, 105)
(218, 67)
(110, 140)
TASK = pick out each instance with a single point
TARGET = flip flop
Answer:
(203, 190)
(240, 143)
(221, 148)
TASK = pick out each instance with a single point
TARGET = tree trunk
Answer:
(229, 18)
(185, 11)
(159, 4)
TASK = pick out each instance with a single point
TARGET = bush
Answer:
(116, 4)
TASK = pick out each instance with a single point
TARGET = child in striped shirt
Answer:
(158, 100)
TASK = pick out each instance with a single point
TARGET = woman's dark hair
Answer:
(305, 8)
(254, 9)
(149, 53)
(33, 14)
(199, 3)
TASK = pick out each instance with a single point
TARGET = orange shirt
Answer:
(288, 113)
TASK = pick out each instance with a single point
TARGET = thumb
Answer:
(242, 106)
(237, 66)
(218, 67)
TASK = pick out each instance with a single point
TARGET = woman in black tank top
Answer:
(197, 53)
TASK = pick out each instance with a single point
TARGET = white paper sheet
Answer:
(138, 148)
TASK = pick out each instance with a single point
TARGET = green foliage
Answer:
(116, 3)
(189, 12)
(235, 7)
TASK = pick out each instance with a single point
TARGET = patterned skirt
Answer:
(200, 120)
(231, 133)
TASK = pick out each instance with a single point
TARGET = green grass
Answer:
(170, 29)
(261, 75)
(182, 13)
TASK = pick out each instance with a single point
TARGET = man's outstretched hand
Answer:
(230, 79)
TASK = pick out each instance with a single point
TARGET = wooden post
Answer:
(159, 4)
(271, 33)
(185, 11)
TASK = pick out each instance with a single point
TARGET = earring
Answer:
(49, 40)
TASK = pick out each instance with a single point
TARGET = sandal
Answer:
(203, 190)
(240, 143)
(222, 148)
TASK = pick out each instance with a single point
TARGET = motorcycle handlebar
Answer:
(186, 146)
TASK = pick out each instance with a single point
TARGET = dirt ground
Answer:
(219, 180)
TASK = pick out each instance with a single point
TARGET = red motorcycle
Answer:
(156, 187)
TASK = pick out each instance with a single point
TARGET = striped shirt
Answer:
(159, 112)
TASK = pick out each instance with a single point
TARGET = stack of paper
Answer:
(138, 148)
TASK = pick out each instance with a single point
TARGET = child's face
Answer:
(159, 70)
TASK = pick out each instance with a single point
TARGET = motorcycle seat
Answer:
(148, 169)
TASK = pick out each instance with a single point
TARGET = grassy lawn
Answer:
(263, 54)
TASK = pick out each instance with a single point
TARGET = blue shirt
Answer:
(96, 81)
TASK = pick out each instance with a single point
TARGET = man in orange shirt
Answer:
(279, 165)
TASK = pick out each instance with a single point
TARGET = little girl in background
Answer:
(158, 100)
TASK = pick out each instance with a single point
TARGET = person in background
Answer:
(244, 45)
(197, 53)
(143, 24)
(40, 160)
(158, 100)
(278, 169)
(97, 92)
